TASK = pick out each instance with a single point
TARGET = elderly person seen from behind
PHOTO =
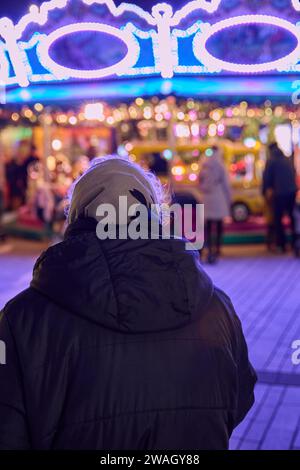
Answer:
(121, 343)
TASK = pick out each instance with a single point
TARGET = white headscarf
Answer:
(106, 180)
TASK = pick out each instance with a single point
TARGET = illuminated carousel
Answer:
(87, 77)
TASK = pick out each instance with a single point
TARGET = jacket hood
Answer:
(126, 285)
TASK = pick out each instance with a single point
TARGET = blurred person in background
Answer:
(32, 157)
(279, 184)
(269, 218)
(17, 174)
(121, 343)
(216, 197)
(15, 183)
(29, 160)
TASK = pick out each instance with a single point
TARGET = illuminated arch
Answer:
(61, 71)
(211, 62)
(4, 64)
(296, 4)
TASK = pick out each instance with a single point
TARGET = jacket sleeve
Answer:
(247, 377)
(13, 427)
(245, 374)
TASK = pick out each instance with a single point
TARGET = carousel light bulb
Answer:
(212, 130)
(122, 152)
(110, 120)
(38, 107)
(168, 154)
(94, 111)
(278, 111)
(195, 130)
(250, 142)
(193, 115)
(216, 115)
(178, 177)
(221, 129)
(62, 119)
(25, 95)
(182, 131)
(73, 120)
(229, 112)
(147, 112)
(51, 163)
(129, 147)
(48, 119)
(56, 145)
(28, 113)
(139, 101)
(178, 170)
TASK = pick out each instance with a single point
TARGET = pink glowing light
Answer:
(193, 177)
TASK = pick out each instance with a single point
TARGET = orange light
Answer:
(178, 170)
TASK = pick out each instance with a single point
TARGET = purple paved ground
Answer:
(266, 293)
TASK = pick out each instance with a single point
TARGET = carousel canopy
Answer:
(75, 49)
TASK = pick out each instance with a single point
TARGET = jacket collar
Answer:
(81, 225)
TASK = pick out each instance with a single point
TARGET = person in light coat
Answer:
(216, 197)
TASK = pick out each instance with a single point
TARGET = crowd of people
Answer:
(35, 193)
(280, 192)
(279, 189)
(16, 173)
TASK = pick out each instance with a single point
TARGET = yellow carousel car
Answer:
(180, 167)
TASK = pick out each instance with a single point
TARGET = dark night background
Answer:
(14, 9)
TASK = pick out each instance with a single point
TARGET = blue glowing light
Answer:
(281, 86)
(209, 152)
(168, 154)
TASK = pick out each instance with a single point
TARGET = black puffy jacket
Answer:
(121, 344)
